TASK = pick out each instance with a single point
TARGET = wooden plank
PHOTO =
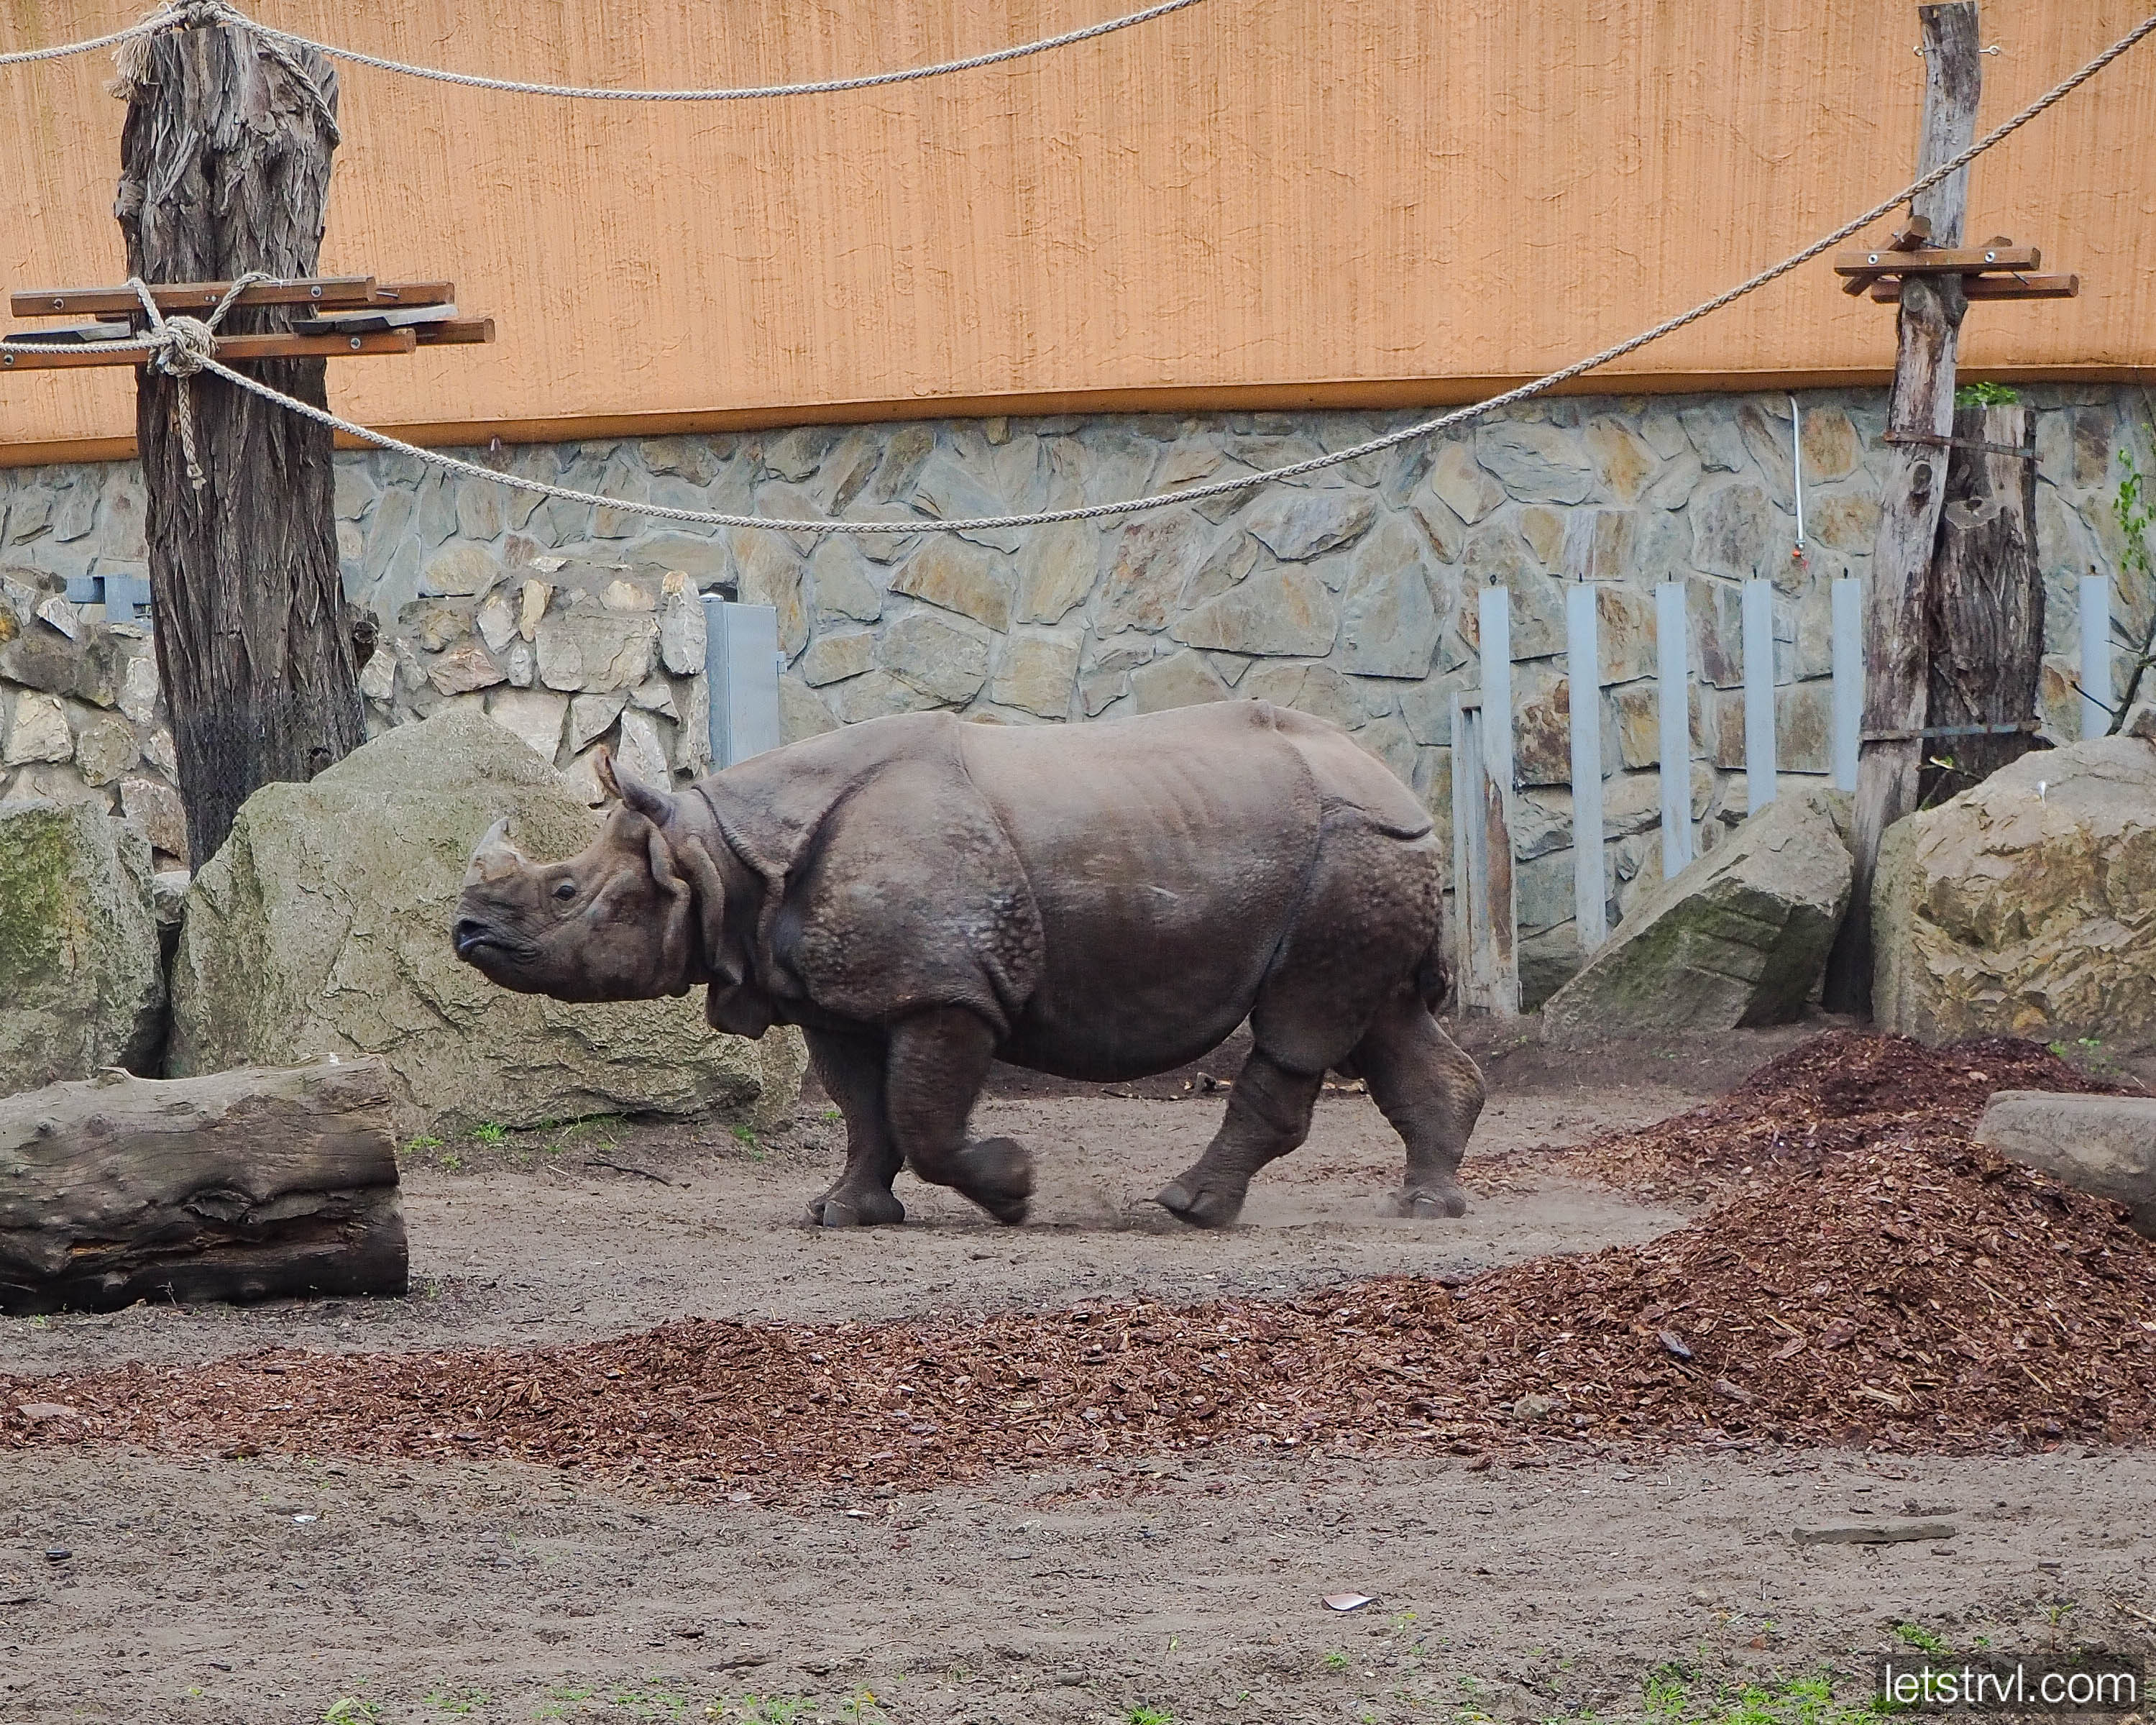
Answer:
(330, 292)
(1913, 492)
(1888, 291)
(1944, 260)
(414, 293)
(233, 350)
(455, 332)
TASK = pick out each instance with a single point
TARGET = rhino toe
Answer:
(1203, 1208)
(1423, 1202)
(856, 1210)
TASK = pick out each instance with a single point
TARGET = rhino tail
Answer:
(1433, 977)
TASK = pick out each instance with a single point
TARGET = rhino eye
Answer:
(567, 890)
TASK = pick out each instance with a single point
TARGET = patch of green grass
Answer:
(1800, 1701)
(1920, 1638)
(1986, 394)
(488, 1133)
(1148, 1716)
(758, 1710)
(421, 1144)
(831, 1116)
(459, 1701)
(1336, 1660)
(351, 1710)
(451, 1160)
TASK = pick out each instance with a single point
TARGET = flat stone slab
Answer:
(1873, 1533)
(2106, 1145)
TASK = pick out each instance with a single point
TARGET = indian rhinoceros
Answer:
(1103, 901)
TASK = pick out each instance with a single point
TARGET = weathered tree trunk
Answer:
(244, 1185)
(1987, 600)
(225, 168)
(1919, 419)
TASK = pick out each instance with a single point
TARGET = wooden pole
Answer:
(1919, 420)
(1987, 624)
(225, 168)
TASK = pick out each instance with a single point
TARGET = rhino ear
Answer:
(655, 806)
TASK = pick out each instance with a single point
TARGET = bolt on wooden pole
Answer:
(225, 169)
(1920, 420)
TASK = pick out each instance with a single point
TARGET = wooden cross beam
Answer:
(353, 316)
(1997, 270)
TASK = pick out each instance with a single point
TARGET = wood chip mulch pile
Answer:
(1841, 1091)
(1892, 1284)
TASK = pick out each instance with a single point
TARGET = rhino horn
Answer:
(655, 806)
(495, 854)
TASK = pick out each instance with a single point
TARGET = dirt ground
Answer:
(1188, 1587)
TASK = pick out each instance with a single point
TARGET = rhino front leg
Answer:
(939, 1060)
(851, 1069)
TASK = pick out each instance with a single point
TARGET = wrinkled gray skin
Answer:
(1102, 902)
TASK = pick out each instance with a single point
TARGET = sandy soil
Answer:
(281, 1588)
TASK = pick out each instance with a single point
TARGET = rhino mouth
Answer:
(474, 938)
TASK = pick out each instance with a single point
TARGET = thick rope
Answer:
(1135, 506)
(182, 347)
(148, 27)
(193, 14)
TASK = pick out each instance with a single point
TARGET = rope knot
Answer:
(179, 346)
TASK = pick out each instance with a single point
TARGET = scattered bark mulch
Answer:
(1841, 1090)
(1879, 1279)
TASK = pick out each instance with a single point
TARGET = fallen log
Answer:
(244, 1185)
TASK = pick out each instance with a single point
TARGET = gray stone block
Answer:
(2106, 1145)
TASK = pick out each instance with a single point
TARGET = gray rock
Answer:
(843, 587)
(681, 626)
(2106, 1145)
(533, 716)
(321, 926)
(104, 748)
(2021, 907)
(1390, 624)
(833, 658)
(1738, 938)
(1535, 464)
(869, 697)
(643, 752)
(970, 579)
(37, 731)
(1729, 531)
(1036, 672)
(1182, 680)
(1459, 481)
(154, 809)
(594, 650)
(591, 716)
(1285, 612)
(81, 985)
(942, 660)
(1296, 526)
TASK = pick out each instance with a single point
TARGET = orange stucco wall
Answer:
(1260, 201)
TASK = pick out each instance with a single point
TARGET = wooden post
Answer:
(1987, 626)
(1919, 419)
(224, 169)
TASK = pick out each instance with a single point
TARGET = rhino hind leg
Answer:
(851, 1069)
(1430, 1090)
(939, 1060)
(1268, 1115)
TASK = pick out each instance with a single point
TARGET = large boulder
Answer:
(2027, 905)
(79, 983)
(1739, 938)
(322, 928)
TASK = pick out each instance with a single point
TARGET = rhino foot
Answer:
(997, 1173)
(841, 1209)
(1445, 1199)
(1203, 1207)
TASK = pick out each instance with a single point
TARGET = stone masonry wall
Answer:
(1348, 594)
